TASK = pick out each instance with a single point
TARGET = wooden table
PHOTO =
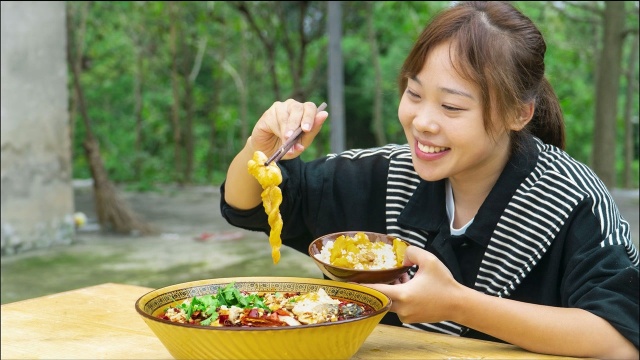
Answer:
(51, 327)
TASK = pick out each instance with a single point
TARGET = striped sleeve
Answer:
(537, 212)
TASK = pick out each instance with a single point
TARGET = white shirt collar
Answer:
(451, 210)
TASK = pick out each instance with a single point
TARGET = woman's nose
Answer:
(426, 120)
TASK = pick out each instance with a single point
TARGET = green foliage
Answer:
(570, 68)
(127, 46)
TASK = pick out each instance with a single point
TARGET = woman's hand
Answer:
(433, 295)
(278, 123)
(430, 296)
(242, 191)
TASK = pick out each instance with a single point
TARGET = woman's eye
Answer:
(450, 108)
(412, 94)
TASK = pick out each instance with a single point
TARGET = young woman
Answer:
(513, 240)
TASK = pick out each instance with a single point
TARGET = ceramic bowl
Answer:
(333, 340)
(355, 275)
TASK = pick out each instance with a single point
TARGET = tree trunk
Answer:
(210, 159)
(75, 49)
(175, 108)
(112, 212)
(377, 126)
(269, 44)
(139, 107)
(244, 102)
(297, 52)
(188, 132)
(189, 138)
(336, 76)
(608, 80)
(242, 94)
(632, 83)
(213, 154)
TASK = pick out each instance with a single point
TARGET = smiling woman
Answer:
(508, 232)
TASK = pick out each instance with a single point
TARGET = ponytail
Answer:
(547, 122)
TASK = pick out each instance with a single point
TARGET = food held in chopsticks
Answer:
(269, 177)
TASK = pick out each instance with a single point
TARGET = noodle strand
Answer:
(269, 178)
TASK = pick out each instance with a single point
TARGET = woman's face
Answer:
(441, 114)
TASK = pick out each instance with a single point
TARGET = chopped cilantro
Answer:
(228, 296)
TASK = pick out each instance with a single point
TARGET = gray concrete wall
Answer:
(37, 194)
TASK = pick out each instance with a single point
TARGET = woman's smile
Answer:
(430, 152)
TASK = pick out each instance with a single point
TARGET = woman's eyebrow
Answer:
(446, 89)
(457, 92)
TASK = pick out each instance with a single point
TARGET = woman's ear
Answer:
(526, 113)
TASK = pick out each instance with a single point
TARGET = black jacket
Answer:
(549, 232)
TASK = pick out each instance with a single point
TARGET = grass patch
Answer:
(51, 273)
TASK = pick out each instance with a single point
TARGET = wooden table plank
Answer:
(391, 342)
(52, 327)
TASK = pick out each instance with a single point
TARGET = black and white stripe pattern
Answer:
(387, 152)
(522, 235)
(402, 182)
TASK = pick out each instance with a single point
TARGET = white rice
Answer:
(384, 257)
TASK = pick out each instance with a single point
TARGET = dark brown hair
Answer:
(502, 51)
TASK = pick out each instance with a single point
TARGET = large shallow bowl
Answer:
(355, 275)
(336, 340)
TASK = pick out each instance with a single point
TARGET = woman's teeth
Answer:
(431, 149)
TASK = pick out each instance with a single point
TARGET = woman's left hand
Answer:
(432, 294)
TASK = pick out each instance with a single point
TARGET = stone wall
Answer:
(37, 195)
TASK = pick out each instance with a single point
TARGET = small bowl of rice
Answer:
(360, 256)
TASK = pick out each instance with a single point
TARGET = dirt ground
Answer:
(194, 243)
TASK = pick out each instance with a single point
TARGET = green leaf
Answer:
(207, 321)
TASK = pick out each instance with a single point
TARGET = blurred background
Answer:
(119, 120)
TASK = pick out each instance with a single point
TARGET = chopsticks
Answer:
(282, 151)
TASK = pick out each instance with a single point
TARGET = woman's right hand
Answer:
(278, 123)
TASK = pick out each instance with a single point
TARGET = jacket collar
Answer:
(431, 195)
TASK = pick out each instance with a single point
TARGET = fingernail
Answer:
(306, 127)
(288, 133)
